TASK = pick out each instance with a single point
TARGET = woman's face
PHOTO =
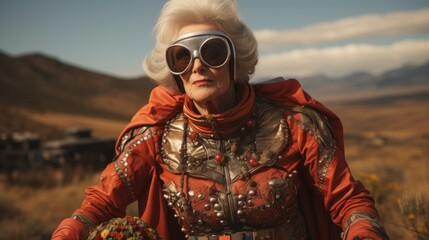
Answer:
(204, 85)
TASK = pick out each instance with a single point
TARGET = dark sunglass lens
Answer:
(214, 52)
(178, 58)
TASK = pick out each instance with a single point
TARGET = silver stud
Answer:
(180, 194)
(276, 182)
(217, 207)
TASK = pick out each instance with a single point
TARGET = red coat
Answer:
(327, 197)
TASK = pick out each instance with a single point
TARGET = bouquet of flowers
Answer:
(128, 228)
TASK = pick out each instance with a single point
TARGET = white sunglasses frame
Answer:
(194, 42)
(232, 56)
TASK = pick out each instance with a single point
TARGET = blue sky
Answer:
(297, 38)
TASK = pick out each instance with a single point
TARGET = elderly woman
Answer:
(212, 157)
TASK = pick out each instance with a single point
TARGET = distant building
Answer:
(23, 151)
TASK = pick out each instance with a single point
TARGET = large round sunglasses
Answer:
(211, 47)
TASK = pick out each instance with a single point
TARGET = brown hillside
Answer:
(35, 84)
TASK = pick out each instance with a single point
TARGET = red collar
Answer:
(225, 123)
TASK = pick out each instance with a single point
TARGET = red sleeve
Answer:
(343, 196)
(69, 229)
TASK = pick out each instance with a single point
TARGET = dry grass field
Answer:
(387, 147)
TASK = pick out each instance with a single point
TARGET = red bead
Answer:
(250, 124)
(219, 158)
(193, 136)
(253, 162)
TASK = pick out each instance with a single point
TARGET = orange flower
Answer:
(105, 233)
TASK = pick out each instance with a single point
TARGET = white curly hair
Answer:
(223, 14)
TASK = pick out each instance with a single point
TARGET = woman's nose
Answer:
(198, 65)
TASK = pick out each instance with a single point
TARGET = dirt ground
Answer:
(386, 147)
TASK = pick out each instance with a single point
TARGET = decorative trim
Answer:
(317, 127)
(253, 148)
(121, 163)
(87, 222)
(377, 227)
(128, 136)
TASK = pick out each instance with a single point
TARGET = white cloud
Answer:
(339, 61)
(390, 24)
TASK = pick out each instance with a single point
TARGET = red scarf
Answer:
(226, 122)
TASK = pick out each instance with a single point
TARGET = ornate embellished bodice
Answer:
(232, 183)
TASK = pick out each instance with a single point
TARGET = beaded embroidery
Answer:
(262, 204)
(271, 138)
(327, 144)
(121, 163)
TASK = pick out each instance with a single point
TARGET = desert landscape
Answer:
(385, 120)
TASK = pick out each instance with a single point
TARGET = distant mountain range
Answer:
(405, 80)
(39, 83)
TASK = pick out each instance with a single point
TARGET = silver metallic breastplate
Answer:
(244, 190)
(271, 137)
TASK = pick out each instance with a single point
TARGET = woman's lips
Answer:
(201, 82)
